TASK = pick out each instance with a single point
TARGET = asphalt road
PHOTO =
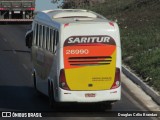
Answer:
(16, 86)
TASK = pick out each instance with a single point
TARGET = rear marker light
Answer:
(111, 23)
(62, 80)
(66, 25)
(116, 83)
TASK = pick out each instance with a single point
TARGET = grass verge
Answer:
(139, 22)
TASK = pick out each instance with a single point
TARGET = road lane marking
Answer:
(25, 66)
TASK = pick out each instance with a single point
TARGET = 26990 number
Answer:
(77, 51)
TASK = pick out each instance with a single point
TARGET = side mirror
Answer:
(29, 38)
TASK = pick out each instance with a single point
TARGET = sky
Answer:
(45, 5)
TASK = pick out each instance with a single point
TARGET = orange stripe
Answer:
(106, 50)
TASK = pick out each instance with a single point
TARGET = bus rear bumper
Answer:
(89, 96)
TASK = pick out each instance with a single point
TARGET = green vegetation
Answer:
(139, 22)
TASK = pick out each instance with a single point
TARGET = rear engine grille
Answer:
(90, 61)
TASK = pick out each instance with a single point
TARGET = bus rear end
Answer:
(90, 63)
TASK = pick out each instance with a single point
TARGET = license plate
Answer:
(90, 95)
(16, 12)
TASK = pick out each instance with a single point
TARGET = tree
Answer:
(56, 2)
(80, 3)
(66, 4)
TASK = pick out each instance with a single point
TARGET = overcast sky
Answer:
(45, 5)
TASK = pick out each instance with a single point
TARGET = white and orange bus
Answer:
(76, 56)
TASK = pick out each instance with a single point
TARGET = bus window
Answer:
(57, 37)
(44, 37)
(38, 33)
(35, 34)
(36, 40)
(47, 38)
(51, 40)
(40, 36)
(54, 40)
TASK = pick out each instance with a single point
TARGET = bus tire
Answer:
(34, 81)
(35, 84)
(50, 94)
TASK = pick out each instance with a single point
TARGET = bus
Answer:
(76, 56)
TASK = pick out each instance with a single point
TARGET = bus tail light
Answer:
(111, 23)
(117, 80)
(62, 80)
(66, 25)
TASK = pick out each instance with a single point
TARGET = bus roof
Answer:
(63, 16)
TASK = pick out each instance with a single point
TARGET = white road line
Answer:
(25, 66)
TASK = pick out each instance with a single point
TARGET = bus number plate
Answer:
(17, 12)
(87, 95)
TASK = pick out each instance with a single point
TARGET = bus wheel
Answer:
(34, 81)
(35, 84)
(50, 94)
